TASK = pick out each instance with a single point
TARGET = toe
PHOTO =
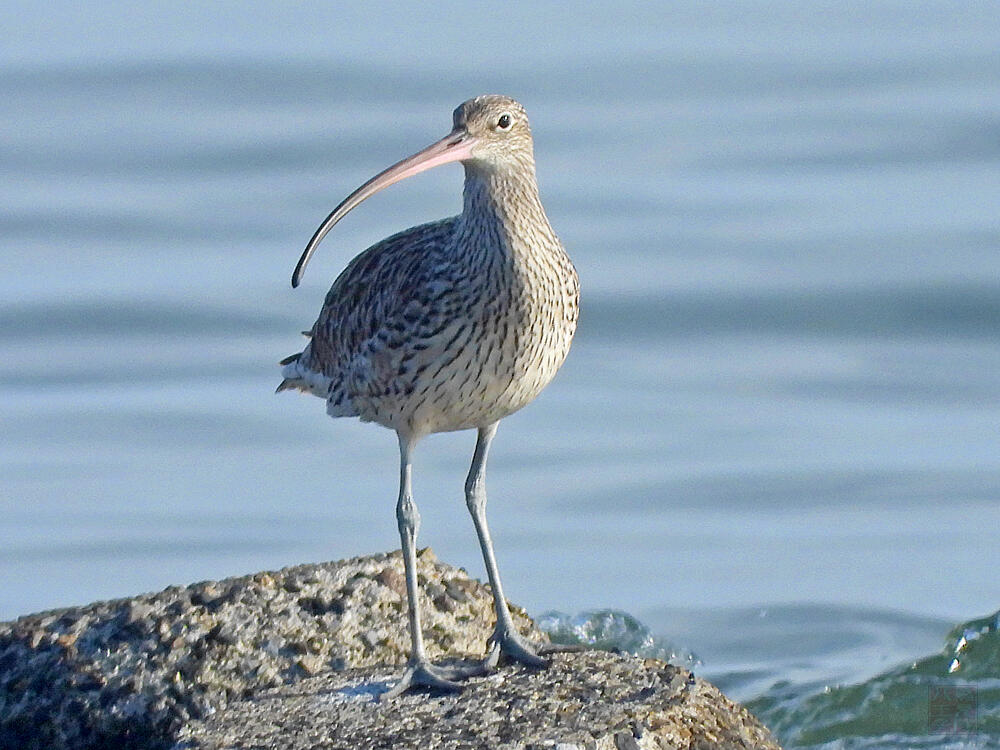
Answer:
(422, 674)
(463, 672)
(514, 647)
(560, 648)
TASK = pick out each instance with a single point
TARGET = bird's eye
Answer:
(503, 122)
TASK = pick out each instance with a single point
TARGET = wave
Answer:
(950, 699)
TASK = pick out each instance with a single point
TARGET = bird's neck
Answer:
(503, 215)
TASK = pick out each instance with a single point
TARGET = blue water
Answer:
(776, 441)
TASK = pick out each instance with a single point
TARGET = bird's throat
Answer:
(502, 211)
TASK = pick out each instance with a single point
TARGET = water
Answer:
(775, 441)
(812, 672)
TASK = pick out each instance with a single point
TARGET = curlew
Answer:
(450, 325)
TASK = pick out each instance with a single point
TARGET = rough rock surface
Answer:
(132, 673)
(587, 701)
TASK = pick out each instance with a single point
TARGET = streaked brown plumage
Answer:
(449, 325)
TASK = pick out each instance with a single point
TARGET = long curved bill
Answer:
(456, 146)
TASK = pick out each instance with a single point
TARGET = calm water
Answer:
(776, 441)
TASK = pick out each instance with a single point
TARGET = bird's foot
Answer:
(424, 674)
(508, 642)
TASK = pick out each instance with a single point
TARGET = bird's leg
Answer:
(505, 638)
(419, 670)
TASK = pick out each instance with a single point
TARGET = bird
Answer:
(449, 325)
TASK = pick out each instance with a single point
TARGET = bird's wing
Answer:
(372, 292)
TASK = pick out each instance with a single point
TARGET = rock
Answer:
(592, 700)
(145, 671)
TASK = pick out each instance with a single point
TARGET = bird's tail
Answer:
(299, 375)
(287, 385)
(292, 371)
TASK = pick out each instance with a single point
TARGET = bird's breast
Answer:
(474, 352)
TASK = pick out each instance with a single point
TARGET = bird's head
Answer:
(497, 131)
(490, 135)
